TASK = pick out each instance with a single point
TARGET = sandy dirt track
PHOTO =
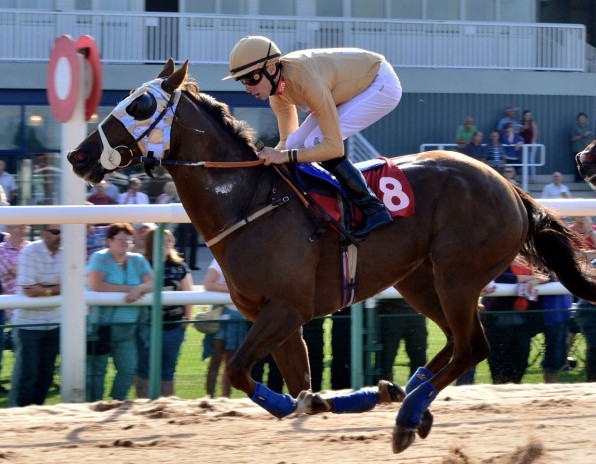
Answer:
(476, 424)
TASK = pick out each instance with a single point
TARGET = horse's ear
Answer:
(167, 70)
(176, 79)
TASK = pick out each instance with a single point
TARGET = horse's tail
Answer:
(552, 246)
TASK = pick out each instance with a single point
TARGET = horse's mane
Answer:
(220, 111)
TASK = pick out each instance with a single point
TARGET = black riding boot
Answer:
(352, 180)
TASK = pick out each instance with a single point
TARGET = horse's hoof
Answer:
(390, 392)
(402, 438)
(309, 403)
(426, 424)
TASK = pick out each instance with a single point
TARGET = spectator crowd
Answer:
(504, 147)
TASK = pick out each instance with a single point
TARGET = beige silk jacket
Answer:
(318, 81)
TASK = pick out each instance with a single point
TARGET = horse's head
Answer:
(138, 127)
(586, 164)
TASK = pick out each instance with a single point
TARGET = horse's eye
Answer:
(143, 107)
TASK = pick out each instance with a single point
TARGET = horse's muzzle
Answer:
(84, 167)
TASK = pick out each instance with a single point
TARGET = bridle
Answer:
(121, 156)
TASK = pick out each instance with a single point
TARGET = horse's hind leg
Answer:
(419, 291)
(456, 315)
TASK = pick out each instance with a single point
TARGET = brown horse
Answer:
(469, 225)
(586, 163)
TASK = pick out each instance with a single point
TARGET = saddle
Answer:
(385, 179)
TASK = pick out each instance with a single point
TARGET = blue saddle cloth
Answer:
(313, 176)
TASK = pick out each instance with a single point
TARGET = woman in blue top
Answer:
(115, 269)
(176, 277)
(512, 142)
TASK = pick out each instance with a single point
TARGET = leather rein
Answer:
(281, 171)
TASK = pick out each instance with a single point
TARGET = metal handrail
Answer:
(145, 37)
(524, 164)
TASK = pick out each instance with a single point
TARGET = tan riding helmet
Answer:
(250, 53)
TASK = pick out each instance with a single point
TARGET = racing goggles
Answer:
(251, 79)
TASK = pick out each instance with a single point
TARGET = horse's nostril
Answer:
(79, 156)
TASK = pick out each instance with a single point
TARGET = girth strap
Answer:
(349, 260)
(246, 221)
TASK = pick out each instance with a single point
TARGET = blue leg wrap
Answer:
(414, 405)
(421, 375)
(278, 405)
(359, 401)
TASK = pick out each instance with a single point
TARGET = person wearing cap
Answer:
(509, 118)
(344, 90)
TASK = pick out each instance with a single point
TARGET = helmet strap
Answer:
(271, 78)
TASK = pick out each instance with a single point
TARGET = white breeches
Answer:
(377, 100)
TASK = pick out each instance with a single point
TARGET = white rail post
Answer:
(525, 167)
(73, 326)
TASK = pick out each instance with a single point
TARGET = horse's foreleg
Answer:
(274, 325)
(291, 358)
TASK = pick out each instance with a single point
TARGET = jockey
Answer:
(344, 90)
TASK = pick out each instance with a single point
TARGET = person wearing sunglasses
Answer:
(36, 335)
(343, 90)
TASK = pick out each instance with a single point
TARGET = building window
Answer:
(34, 4)
(277, 8)
(515, 11)
(85, 5)
(214, 6)
(330, 8)
(233, 7)
(115, 5)
(10, 120)
(368, 9)
(204, 6)
(442, 9)
(41, 131)
(405, 9)
(480, 10)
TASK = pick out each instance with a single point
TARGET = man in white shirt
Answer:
(556, 189)
(133, 196)
(37, 345)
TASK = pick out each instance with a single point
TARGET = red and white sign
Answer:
(86, 45)
(64, 76)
